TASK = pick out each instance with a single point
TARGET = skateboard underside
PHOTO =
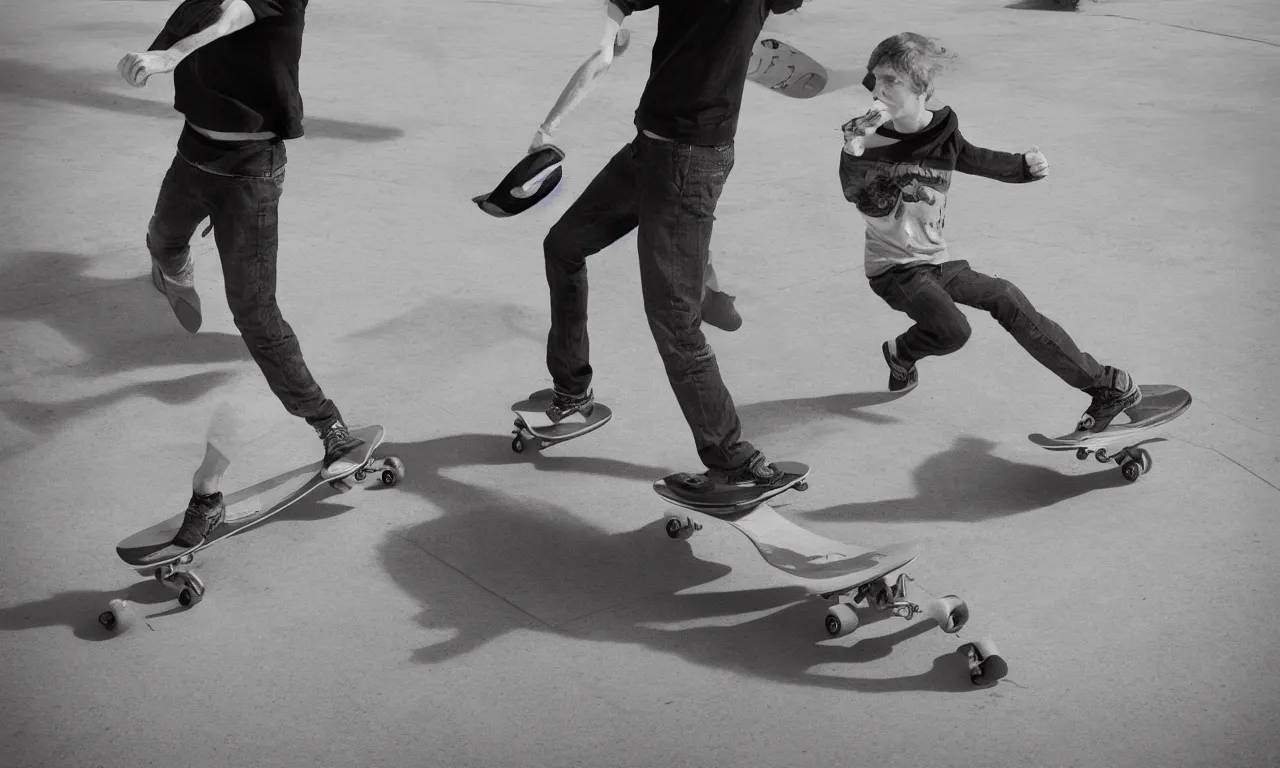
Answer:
(847, 575)
(780, 67)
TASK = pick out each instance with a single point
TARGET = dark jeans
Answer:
(928, 294)
(669, 191)
(238, 186)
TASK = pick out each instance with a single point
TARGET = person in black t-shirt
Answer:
(717, 306)
(235, 65)
(665, 184)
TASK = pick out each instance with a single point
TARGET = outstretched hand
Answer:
(1037, 163)
(135, 68)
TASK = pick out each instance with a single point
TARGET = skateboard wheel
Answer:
(517, 445)
(681, 527)
(394, 472)
(192, 590)
(1082, 453)
(1102, 456)
(119, 616)
(1131, 470)
(985, 663)
(360, 475)
(802, 486)
(841, 620)
(950, 612)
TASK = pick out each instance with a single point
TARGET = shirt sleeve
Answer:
(266, 9)
(1009, 167)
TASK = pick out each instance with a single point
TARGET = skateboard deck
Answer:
(845, 574)
(1160, 404)
(152, 548)
(695, 491)
(780, 67)
(534, 428)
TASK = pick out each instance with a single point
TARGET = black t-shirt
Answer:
(699, 67)
(247, 81)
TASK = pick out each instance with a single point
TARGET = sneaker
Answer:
(570, 407)
(204, 513)
(717, 310)
(1109, 401)
(902, 377)
(180, 290)
(755, 472)
(338, 447)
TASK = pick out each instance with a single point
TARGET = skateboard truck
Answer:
(1134, 462)
(950, 611)
(174, 576)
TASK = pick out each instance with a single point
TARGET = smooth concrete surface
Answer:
(503, 610)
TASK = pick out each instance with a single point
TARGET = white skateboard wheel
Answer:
(841, 620)
(119, 616)
(950, 612)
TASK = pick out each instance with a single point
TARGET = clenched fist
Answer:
(135, 68)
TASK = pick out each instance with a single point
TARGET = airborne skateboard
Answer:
(151, 549)
(780, 67)
(836, 571)
(534, 428)
(1160, 404)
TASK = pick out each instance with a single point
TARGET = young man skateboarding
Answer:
(899, 184)
(665, 184)
(235, 65)
(717, 306)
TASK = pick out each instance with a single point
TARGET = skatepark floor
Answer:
(504, 610)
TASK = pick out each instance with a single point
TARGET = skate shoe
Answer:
(755, 472)
(204, 513)
(570, 408)
(1109, 401)
(338, 447)
(718, 310)
(902, 377)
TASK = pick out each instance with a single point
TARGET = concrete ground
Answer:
(504, 610)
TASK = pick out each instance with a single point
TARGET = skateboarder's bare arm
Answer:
(231, 16)
(585, 77)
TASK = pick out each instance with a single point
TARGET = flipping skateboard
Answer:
(780, 67)
(1160, 404)
(838, 572)
(535, 428)
(151, 549)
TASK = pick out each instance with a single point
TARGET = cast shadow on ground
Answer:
(1039, 5)
(773, 416)
(557, 573)
(102, 89)
(967, 483)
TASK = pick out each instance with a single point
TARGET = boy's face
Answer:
(894, 89)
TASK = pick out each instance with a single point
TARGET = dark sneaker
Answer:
(755, 472)
(571, 407)
(717, 310)
(338, 447)
(180, 290)
(1109, 401)
(204, 513)
(902, 377)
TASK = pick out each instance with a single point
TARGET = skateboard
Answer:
(533, 428)
(1160, 404)
(836, 571)
(151, 549)
(780, 67)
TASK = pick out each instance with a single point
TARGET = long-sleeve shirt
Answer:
(901, 189)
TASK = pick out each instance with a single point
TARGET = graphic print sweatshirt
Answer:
(901, 189)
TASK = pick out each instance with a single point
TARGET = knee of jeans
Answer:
(163, 246)
(1006, 303)
(678, 339)
(956, 335)
(558, 246)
